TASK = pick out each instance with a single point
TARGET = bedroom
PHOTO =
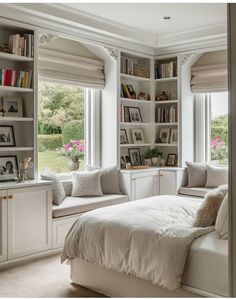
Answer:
(108, 122)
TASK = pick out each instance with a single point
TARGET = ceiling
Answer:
(148, 18)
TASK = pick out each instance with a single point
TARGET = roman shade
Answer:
(209, 78)
(67, 68)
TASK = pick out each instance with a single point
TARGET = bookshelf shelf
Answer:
(16, 149)
(166, 144)
(134, 78)
(13, 57)
(135, 145)
(136, 101)
(15, 89)
(14, 119)
(166, 124)
(134, 124)
(166, 79)
(166, 102)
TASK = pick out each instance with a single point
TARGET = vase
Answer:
(155, 161)
(73, 165)
(148, 162)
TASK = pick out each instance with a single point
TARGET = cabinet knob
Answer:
(10, 196)
(4, 197)
(161, 174)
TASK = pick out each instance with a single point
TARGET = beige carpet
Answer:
(45, 277)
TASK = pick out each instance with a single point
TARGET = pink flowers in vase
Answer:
(74, 150)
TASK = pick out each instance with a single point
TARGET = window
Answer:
(219, 127)
(60, 126)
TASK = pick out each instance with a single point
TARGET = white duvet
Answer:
(148, 238)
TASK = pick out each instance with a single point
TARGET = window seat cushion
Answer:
(194, 191)
(74, 205)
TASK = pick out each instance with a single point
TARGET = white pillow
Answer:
(197, 174)
(222, 219)
(86, 184)
(58, 192)
(109, 179)
(216, 176)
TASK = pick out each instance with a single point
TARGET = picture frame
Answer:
(8, 168)
(123, 137)
(122, 162)
(135, 115)
(126, 115)
(12, 106)
(171, 160)
(7, 137)
(138, 136)
(135, 157)
(174, 136)
(164, 135)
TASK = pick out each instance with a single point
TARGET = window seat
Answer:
(76, 205)
(194, 191)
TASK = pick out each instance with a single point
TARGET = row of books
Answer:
(127, 66)
(15, 78)
(127, 91)
(22, 45)
(166, 70)
(167, 114)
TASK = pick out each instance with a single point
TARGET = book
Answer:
(22, 45)
(15, 78)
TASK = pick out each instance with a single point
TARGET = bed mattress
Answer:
(207, 265)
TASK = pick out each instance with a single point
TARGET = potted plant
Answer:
(156, 155)
(74, 150)
(148, 157)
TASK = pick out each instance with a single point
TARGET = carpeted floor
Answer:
(45, 277)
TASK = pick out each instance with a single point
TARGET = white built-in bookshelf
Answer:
(16, 90)
(150, 86)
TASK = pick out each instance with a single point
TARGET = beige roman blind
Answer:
(67, 68)
(209, 78)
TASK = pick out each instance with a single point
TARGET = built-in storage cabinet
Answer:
(3, 226)
(18, 92)
(26, 222)
(139, 184)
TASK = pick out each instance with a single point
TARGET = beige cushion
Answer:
(109, 179)
(58, 192)
(67, 185)
(74, 205)
(222, 219)
(196, 174)
(194, 191)
(216, 176)
(207, 213)
(86, 184)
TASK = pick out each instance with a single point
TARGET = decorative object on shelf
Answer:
(143, 96)
(156, 155)
(25, 165)
(164, 135)
(171, 160)
(7, 137)
(122, 162)
(74, 150)
(123, 137)
(8, 168)
(138, 136)
(174, 136)
(147, 156)
(4, 47)
(163, 96)
(127, 91)
(12, 107)
(135, 115)
(162, 162)
(135, 158)
(140, 71)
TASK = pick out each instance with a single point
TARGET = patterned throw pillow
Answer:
(197, 174)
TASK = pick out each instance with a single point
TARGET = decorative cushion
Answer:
(222, 219)
(86, 184)
(58, 191)
(194, 191)
(207, 213)
(109, 179)
(197, 174)
(216, 176)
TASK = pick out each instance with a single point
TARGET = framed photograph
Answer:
(7, 137)
(122, 162)
(171, 160)
(126, 115)
(135, 115)
(13, 106)
(123, 137)
(8, 168)
(174, 136)
(164, 135)
(134, 155)
(138, 136)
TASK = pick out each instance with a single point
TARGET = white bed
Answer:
(205, 271)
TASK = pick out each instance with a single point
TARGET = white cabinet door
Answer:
(29, 221)
(144, 185)
(3, 225)
(168, 182)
